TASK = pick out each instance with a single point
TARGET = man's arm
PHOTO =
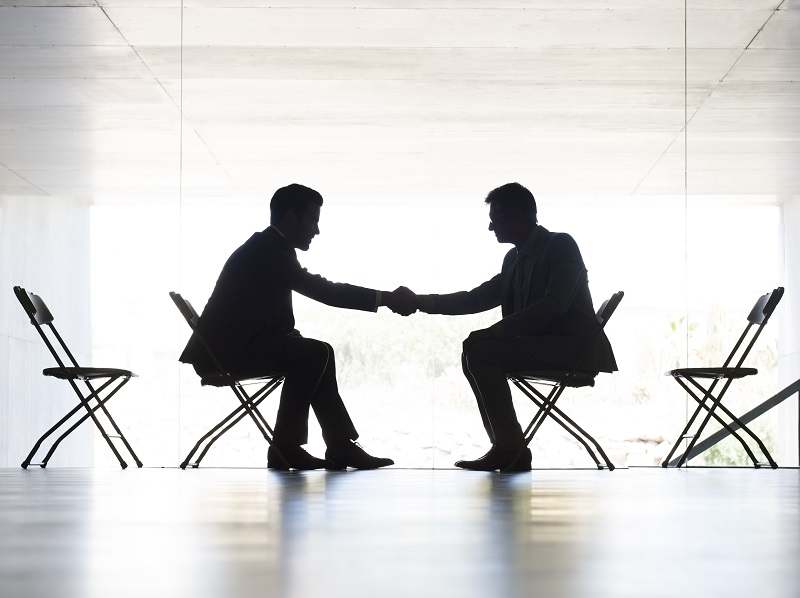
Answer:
(335, 294)
(482, 298)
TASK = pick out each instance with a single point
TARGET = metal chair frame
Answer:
(41, 319)
(705, 397)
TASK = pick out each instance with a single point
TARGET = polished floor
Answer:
(237, 533)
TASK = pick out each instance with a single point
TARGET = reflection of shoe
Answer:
(498, 459)
(294, 457)
(352, 455)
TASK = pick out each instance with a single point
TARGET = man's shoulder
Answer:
(558, 246)
(259, 243)
(555, 239)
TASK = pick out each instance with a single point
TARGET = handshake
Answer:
(402, 301)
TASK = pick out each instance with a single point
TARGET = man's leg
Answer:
(486, 364)
(309, 367)
(310, 381)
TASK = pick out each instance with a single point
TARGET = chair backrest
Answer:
(187, 311)
(190, 315)
(757, 318)
(605, 312)
(40, 317)
(609, 307)
(764, 307)
(34, 306)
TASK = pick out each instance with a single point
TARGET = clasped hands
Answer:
(402, 301)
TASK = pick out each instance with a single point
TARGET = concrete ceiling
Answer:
(145, 100)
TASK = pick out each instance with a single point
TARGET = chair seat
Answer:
(710, 373)
(79, 373)
(221, 379)
(574, 380)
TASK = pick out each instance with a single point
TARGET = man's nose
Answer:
(491, 226)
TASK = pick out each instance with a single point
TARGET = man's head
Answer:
(294, 210)
(512, 213)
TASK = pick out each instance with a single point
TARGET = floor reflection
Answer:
(251, 532)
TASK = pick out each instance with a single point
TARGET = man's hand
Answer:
(401, 301)
(477, 335)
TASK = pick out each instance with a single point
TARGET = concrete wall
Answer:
(44, 247)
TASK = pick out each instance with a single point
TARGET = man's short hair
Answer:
(292, 197)
(511, 197)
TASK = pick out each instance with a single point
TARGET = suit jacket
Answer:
(252, 299)
(557, 312)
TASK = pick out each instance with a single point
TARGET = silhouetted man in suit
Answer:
(249, 323)
(548, 320)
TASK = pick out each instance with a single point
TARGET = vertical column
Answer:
(789, 319)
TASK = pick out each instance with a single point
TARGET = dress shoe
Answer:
(499, 459)
(294, 457)
(352, 455)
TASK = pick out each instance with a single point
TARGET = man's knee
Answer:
(308, 355)
(479, 350)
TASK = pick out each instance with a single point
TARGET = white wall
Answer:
(44, 247)
(789, 310)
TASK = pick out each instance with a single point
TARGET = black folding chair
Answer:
(706, 399)
(42, 319)
(558, 381)
(248, 405)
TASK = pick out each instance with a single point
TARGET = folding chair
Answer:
(704, 395)
(115, 379)
(558, 381)
(248, 405)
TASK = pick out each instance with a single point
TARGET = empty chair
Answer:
(248, 404)
(91, 399)
(557, 381)
(709, 397)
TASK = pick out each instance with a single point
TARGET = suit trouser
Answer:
(486, 364)
(309, 367)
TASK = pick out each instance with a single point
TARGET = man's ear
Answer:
(288, 222)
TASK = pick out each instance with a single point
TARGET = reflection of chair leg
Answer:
(248, 406)
(547, 407)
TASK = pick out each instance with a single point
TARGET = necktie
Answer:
(519, 281)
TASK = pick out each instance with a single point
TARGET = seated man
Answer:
(548, 319)
(249, 323)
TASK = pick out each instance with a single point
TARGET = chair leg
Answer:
(248, 405)
(44, 436)
(715, 402)
(66, 433)
(547, 407)
(581, 435)
(735, 420)
(91, 413)
(684, 434)
(228, 422)
(240, 414)
(114, 425)
(84, 404)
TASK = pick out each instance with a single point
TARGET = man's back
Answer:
(252, 297)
